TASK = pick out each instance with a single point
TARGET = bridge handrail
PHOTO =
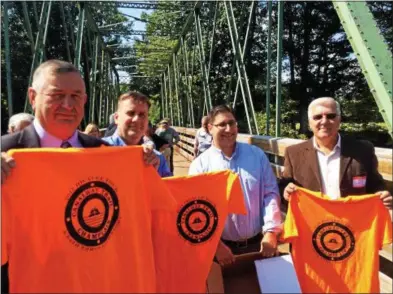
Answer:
(276, 146)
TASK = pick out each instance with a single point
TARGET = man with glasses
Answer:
(337, 166)
(256, 231)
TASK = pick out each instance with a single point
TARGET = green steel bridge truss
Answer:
(191, 55)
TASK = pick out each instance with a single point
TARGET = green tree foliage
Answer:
(317, 60)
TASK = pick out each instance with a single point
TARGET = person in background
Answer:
(111, 128)
(169, 134)
(160, 144)
(19, 121)
(203, 139)
(92, 130)
(257, 231)
(132, 121)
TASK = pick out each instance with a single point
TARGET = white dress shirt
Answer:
(329, 166)
(47, 140)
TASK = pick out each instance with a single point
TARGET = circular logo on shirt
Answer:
(333, 241)
(91, 213)
(197, 221)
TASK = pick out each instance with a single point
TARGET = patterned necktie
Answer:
(65, 144)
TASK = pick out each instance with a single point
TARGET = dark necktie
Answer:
(65, 144)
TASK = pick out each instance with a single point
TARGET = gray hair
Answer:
(323, 99)
(19, 117)
(53, 66)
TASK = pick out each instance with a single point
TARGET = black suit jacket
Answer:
(357, 159)
(28, 138)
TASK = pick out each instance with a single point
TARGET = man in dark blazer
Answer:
(57, 96)
(337, 166)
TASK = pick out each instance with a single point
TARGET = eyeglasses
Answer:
(224, 124)
(328, 116)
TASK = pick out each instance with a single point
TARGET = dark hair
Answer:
(219, 109)
(136, 96)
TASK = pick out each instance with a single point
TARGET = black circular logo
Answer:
(197, 221)
(333, 241)
(91, 213)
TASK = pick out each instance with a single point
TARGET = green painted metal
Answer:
(81, 22)
(170, 93)
(202, 59)
(212, 37)
(252, 11)
(175, 79)
(42, 53)
(7, 58)
(28, 25)
(188, 78)
(63, 19)
(37, 49)
(373, 54)
(241, 71)
(269, 65)
(279, 67)
(100, 107)
(94, 79)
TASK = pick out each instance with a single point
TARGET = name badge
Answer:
(359, 182)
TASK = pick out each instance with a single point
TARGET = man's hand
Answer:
(224, 254)
(149, 157)
(7, 163)
(289, 189)
(386, 198)
(163, 147)
(269, 244)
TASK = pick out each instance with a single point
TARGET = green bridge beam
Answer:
(373, 55)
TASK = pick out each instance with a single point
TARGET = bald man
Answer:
(336, 165)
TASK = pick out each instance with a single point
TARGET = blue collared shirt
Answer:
(259, 187)
(163, 169)
(47, 140)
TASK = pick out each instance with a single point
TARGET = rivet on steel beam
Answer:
(372, 90)
(381, 74)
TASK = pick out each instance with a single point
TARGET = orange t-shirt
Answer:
(335, 243)
(79, 220)
(186, 241)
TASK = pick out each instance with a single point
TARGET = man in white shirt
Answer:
(336, 165)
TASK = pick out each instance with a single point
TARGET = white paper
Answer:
(277, 275)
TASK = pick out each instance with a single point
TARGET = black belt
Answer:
(244, 243)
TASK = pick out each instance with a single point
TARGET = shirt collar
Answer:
(118, 141)
(48, 140)
(336, 147)
(218, 151)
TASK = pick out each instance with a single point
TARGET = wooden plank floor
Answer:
(181, 165)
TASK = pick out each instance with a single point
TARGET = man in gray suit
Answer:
(336, 165)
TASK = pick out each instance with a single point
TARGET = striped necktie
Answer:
(65, 144)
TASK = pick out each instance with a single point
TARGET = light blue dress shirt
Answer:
(163, 169)
(47, 140)
(259, 187)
